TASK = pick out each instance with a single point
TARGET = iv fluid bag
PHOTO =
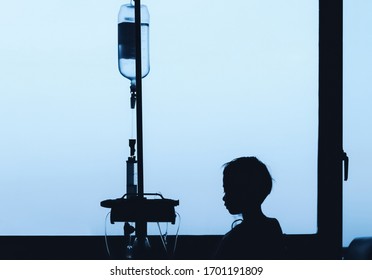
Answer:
(127, 42)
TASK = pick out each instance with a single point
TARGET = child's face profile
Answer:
(233, 199)
(238, 196)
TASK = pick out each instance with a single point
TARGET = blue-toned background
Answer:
(226, 80)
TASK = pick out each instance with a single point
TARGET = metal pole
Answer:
(139, 97)
(141, 226)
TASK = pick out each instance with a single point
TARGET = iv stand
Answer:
(139, 97)
(138, 208)
(141, 226)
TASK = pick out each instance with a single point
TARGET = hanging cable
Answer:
(132, 124)
(234, 223)
(106, 241)
(162, 239)
(176, 238)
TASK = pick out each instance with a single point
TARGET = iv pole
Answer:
(135, 207)
(139, 97)
(141, 226)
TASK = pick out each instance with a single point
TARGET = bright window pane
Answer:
(226, 81)
(357, 118)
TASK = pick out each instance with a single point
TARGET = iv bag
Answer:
(127, 42)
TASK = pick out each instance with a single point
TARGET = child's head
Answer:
(246, 183)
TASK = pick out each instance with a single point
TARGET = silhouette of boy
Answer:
(246, 183)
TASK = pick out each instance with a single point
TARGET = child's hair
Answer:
(248, 175)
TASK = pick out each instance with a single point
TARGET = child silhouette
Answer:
(246, 183)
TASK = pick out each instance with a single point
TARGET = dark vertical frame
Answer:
(330, 149)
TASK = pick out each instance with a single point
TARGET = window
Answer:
(225, 81)
(357, 116)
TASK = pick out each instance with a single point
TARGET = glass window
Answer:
(226, 80)
(357, 116)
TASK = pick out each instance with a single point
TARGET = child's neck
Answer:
(253, 214)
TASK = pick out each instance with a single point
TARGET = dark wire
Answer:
(106, 241)
(233, 224)
(176, 239)
(162, 239)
